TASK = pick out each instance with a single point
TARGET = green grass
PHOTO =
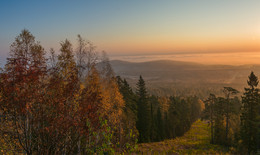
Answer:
(195, 141)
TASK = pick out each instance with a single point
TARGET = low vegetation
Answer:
(195, 141)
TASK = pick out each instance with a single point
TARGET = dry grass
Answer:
(195, 141)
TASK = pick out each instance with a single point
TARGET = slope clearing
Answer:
(195, 141)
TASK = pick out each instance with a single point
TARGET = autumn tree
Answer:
(86, 56)
(91, 112)
(114, 105)
(61, 98)
(23, 90)
(81, 104)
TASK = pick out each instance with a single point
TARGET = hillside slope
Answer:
(195, 141)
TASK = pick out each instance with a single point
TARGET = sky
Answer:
(202, 29)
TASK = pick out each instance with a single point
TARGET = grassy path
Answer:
(195, 141)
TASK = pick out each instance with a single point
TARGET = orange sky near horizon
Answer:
(245, 37)
(234, 58)
(168, 47)
(140, 27)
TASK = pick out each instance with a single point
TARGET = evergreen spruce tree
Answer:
(159, 124)
(128, 95)
(143, 123)
(173, 123)
(218, 119)
(130, 111)
(249, 123)
(154, 104)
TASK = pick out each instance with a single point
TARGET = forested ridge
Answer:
(71, 102)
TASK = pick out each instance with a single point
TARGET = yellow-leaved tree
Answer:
(114, 102)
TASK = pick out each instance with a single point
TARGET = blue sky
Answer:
(134, 26)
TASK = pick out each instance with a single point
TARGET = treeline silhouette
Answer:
(235, 123)
(71, 102)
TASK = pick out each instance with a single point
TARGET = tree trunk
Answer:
(227, 123)
(79, 145)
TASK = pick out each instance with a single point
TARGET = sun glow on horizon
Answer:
(232, 58)
(139, 27)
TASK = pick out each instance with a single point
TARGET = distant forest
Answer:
(71, 102)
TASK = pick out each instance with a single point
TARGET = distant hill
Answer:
(168, 77)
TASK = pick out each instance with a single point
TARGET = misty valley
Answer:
(166, 77)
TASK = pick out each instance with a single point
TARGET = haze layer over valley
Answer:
(167, 77)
